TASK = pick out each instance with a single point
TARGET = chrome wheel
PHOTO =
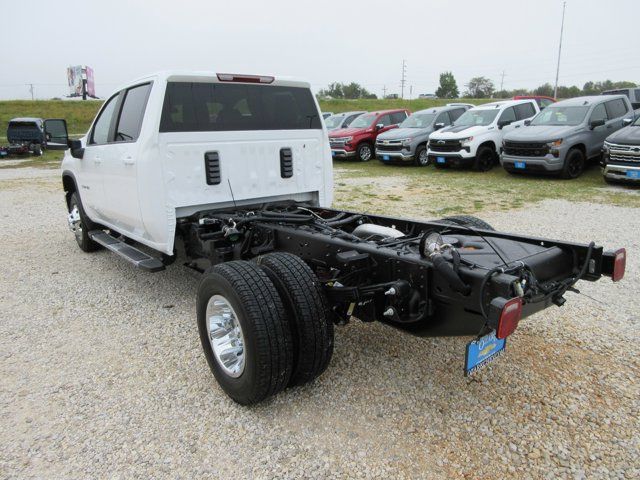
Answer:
(365, 153)
(75, 222)
(423, 157)
(225, 335)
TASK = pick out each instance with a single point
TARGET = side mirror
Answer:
(55, 131)
(438, 126)
(527, 122)
(504, 123)
(379, 126)
(596, 123)
(627, 121)
(77, 150)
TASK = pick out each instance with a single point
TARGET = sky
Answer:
(321, 42)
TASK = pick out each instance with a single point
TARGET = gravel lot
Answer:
(102, 375)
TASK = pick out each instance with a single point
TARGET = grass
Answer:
(427, 191)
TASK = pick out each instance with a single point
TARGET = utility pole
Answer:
(31, 89)
(384, 92)
(403, 81)
(502, 80)
(555, 90)
(410, 92)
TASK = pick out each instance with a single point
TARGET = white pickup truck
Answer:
(233, 174)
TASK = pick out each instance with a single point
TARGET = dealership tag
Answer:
(482, 351)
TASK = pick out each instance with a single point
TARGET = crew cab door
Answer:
(598, 132)
(121, 207)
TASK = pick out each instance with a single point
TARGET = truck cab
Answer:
(474, 139)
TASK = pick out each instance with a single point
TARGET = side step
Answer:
(129, 253)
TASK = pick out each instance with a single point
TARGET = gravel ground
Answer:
(102, 375)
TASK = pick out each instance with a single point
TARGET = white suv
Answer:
(475, 138)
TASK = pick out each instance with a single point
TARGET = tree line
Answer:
(480, 87)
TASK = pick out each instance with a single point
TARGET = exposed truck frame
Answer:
(279, 272)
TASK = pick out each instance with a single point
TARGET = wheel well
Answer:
(69, 187)
(581, 147)
(488, 143)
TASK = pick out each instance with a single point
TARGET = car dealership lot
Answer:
(103, 376)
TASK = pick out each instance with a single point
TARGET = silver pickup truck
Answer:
(564, 136)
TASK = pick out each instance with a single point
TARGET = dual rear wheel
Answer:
(264, 326)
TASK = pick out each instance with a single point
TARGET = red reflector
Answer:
(232, 77)
(619, 264)
(509, 318)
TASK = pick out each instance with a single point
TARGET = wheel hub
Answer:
(75, 224)
(225, 336)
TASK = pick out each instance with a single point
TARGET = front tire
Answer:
(573, 164)
(307, 312)
(421, 156)
(80, 225)
(240, 314)
(364, 152)
(485, 159)
(468, 220)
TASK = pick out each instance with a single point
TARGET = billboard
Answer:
(81, 81)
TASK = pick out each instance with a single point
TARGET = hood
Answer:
(459, 132)
(398, 133)
(626, 136)
(542, 133)
(346, 132)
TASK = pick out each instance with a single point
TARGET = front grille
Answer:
(445, 145)
(525, 149)
(389, 146)
(337, 142)
(626, 154)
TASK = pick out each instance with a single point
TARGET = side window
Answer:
(384, 120)
(455, 114)
(398, 117)
(544, 103)
(133, 106)
(443, 118)
(508, 115)
(616, 108)
(599, 113)
(350, 119)
(525, 110)
(102, 126)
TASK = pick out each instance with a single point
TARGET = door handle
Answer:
(128, 160)
(97, 161)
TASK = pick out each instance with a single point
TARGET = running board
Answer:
(129, 253)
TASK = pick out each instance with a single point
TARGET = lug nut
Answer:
(391, 291)
(389, 312)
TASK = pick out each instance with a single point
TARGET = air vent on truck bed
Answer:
(286, 163)
(212, 168)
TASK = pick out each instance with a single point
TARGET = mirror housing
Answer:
(55, 132)
(379, 126)
(77, 150)
(596, 123)
(527, 122)
(504, 123)
(438, 126)
(627, 121)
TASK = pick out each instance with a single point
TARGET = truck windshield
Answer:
(333, 121)
(418, 120)
(561, 116)
(637, 122)
(476, 117)
(210, 107)
(363, 121)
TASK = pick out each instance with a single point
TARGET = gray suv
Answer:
(564, 136)
(408, 142)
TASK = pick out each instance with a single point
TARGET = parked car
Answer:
(408, 142)
(326, 115)
(564, 136)
(542, 100)
(621, 154)
(633, 94)
(427, 95)
(475, 137)
(359, 138)
(459, 104)
(31, 135)
(341, 120)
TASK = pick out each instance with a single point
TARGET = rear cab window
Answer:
(616, 108)
(208, 107)
(525, 110)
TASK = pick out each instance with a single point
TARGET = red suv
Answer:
(541, 100)
(359, 138)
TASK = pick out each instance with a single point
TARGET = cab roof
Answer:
(501, 104)
(587, 100)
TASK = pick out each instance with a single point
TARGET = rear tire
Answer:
(485, 159)
(364, 152)
(307, 312)
(258, 311)
(80, 224)
(421, 158)
(468, 220)
(574, 164)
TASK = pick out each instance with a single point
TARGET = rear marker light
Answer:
(619, 264)
(509, 317)
(232, 77)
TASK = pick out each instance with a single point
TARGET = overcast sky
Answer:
(321, 41)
